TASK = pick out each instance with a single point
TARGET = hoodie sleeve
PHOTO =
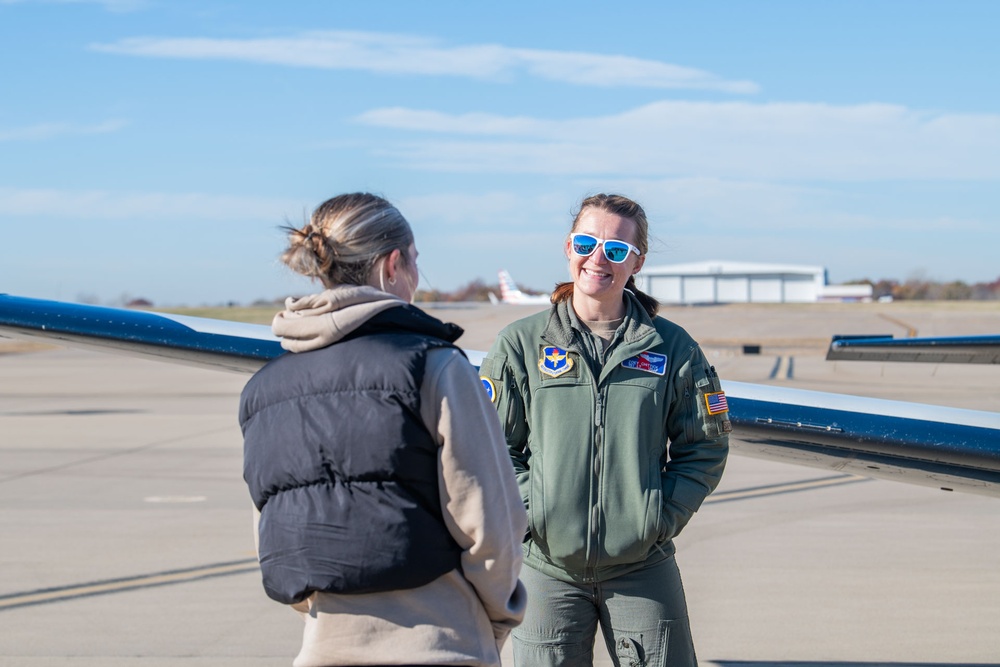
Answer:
(508, 402)
(479, 496)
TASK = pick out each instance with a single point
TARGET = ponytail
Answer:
(562, 292)
(648, 303)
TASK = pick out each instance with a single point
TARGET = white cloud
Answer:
(746, 209)
(736, 140)
(589, 69)
(444, 212)
(405, 54)
(105, 205)
(471, 123)
(42, 131)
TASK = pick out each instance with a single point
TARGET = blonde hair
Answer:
(345, 237)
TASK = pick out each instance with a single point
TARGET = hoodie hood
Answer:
(318, 320)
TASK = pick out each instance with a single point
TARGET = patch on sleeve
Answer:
(716, 402)
(554, 361)
(491, 389)
(650, 362)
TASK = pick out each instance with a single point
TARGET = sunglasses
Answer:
(616, 251)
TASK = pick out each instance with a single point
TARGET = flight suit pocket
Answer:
(643, 648)
(713, 407)
(491, 375)
(535, 504)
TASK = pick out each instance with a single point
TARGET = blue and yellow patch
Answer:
(554, 361)
(491, 390)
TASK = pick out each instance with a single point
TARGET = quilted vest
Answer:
(341, 466)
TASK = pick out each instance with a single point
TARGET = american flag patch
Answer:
(716, 402)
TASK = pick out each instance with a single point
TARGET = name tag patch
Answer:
(650, 362)
(554, 361)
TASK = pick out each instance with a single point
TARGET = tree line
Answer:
(475, 290)
(922, 289)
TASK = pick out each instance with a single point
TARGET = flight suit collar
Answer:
(640, 333)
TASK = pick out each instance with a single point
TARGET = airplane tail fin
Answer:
(508, 288)
(493, 298)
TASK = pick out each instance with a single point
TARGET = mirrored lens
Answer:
(616, 251)
(584, 244)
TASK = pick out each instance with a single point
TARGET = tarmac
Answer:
(126, 525)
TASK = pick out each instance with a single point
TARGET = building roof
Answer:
(717, 267)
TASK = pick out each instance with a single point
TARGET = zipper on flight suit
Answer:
(689, 422)
(590, 574)
(598, 358)
(586, 348)
(601, 357)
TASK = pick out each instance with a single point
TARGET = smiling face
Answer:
(598, 284)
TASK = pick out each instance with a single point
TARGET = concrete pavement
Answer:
(126, 534)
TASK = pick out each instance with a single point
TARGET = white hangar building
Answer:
(744, 282)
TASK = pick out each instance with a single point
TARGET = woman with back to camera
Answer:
(618, 429)
(387, 511)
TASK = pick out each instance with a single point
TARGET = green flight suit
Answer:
(614, 450)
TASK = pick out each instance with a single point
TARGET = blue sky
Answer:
(153, 147)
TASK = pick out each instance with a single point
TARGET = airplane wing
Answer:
(195, 341)
(936, 446)
(947, 448)
(946, 350)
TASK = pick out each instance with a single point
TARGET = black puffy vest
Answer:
(341, 466)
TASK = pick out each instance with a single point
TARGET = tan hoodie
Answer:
(464, 616)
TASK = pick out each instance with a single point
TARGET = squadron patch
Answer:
(716, 402)
(554, 361)
(491, 390)
(650, 362)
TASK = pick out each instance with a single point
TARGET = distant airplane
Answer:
(509, 293)
(949, 448)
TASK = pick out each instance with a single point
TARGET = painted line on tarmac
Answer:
(62, 593)
(783, 370)
(911, 331)
(108, 586)
(788, 487)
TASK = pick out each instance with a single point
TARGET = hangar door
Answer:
(766, 289)
(733, 289)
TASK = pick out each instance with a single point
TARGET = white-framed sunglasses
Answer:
(616, 251)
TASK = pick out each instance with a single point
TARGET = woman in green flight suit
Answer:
(618, 429)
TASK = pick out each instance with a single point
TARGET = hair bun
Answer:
(345, 237)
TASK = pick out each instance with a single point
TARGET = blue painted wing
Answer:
(929, 445)
(944, 350)
(195, 341)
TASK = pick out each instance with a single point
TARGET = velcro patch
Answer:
(716, 402)
(554, 361)
(491, 390)
(650, 362)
